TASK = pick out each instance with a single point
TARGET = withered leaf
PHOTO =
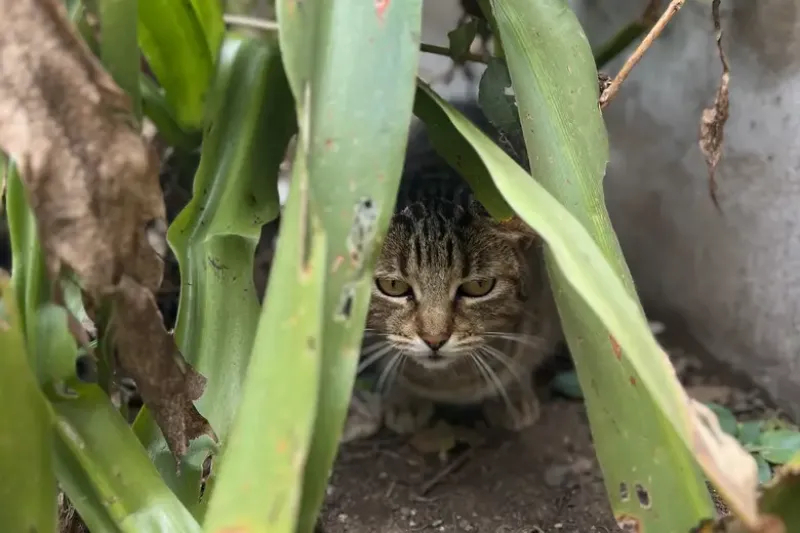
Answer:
(712, 123)
(92, 182)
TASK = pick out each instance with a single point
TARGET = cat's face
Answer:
(447, 280)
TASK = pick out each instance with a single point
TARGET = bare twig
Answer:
(655, 31)
(250, 22)
(448, 469)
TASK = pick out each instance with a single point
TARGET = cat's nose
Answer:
(434, 342)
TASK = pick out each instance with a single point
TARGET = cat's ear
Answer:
(517, 230)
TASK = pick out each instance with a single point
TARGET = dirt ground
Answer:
(543, 480)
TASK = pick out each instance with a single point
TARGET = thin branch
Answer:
(655, 31)
(250, 22)
(271, 25)
(444, 51)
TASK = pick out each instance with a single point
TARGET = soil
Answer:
(542, 480)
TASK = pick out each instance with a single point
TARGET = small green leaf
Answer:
(498, 102)
(764, 470)
(461, 39)
(749, 432)
(778, 446)
(726, 419)
(566, 383)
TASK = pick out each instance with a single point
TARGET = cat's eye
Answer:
(477, 287)
(393, 287)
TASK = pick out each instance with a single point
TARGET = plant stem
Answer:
(628, 34)
(631, 62)
(621, 40)
(271, 25)
(444, 51)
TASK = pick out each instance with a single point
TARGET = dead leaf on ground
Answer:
(730, 468)
(92, 182)
(712, 124)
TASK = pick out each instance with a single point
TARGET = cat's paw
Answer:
(408, 416)
(523, 412)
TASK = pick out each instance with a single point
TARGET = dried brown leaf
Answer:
(166, 382)
(712, 123)
(92, 182)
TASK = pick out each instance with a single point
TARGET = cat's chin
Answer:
(434, 363)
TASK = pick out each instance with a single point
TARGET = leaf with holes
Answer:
(354, 137)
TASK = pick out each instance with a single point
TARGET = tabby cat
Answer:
(461, 309)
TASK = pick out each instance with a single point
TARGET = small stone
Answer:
(342, 517)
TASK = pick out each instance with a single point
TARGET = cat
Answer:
(461, 310)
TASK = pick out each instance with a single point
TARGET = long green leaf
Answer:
(175, 44)
(351, 66)
(636, 407)
(249, 123)
(98, 461)
(590, 279)
(119, 47)
(28, 488)
(105, 472)
(283, 374)
(459, 154)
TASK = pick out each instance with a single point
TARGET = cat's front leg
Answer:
(518, 411)
(405, 414)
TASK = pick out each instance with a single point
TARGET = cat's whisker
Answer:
(389, 371)
(506, 361)
(374, 356)
(475, 361)
(527, 340)
(492, 375)
(398, 370)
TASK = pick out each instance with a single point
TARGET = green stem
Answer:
(444, 51)
(621, 40)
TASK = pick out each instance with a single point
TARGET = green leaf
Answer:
(764, 470)
(156, 108)
(778, 446)
(249, 123)
(626, 377)
(779, 497)
(459, 154)
(174, 42)
(119, 47)
(727, 421)
(461, 38)
(209, 15)
(567, 384)
(28, 276)
(283, 373)
(749, 432)
(354, 137)
(28, 488)
(105, 472)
